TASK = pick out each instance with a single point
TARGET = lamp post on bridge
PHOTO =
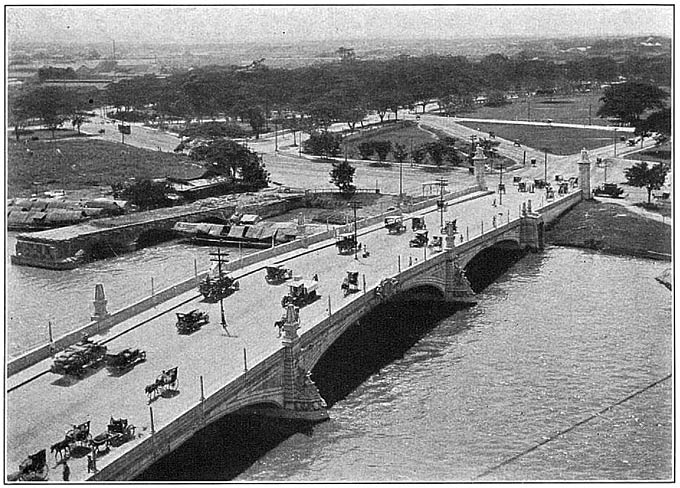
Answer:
(440, 203)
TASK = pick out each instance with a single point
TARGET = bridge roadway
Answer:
(40, 410)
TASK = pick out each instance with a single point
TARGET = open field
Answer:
(76, 163)
(612, 229)
(572, 109)
(557, 140)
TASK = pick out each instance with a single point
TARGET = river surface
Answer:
(515, 388)
(36, 296)
(523, 378)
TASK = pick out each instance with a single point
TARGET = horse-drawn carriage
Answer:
(347, 243)
(418, 223)
(437, 242)
(166, 381)
(191, 321)
(351, 283)
(117, 433)
(124, 359)
(301, 292)
(395, 225)
(419, 239)
(33, 468)
(75, 359)
(213, 288)
(563, 188)
(540, 183)
(278, 274)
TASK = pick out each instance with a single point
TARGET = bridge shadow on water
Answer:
(228, 447)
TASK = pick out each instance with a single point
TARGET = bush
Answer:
(366, 150)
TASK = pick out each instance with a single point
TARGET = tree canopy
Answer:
(642, 175)
(628, 101)
(342, 176)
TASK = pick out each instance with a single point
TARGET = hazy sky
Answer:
(280, 23)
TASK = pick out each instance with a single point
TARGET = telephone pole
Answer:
(354, 204)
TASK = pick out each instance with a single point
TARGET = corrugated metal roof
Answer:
(237, 231)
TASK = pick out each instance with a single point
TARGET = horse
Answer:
(60, 447)
(151, 390)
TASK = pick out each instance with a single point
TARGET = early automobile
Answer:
(301, 292)
(563, 188)
(79, 357)
(608, 190)
(213, 288)
(394, 225)
(191, 321)
(540, 183)
(419, 239)
(351, 283)
(278, 274)
(33, 468)
(347, 243)
(418, 223)
(124, 359)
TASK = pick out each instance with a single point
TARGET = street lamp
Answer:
(501, 188)
(440, 203)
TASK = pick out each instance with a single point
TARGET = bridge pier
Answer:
(457, 287)
(301, 399)
(531, 231)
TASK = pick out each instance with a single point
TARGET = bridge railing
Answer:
(44, 351)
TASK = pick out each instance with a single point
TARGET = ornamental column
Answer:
(479, 161)
(584, 175)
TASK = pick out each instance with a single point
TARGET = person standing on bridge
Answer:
(67, 472)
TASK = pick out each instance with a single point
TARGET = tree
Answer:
(221, 157)
(629, 100)
(145, 193)
(77, 120)
(323, 144)
(400, 153)
(656, 122)
(342, 176)
(53, 105)
(382, 149)
(643, 176)
(366, 149)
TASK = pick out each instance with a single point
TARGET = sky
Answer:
(280, 23)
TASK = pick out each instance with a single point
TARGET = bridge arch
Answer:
(483, 267)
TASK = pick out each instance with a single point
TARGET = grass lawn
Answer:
(571, 109)
(661, 154)
(558, 140)
(612, 229)
(44, 134)
(403, 133)
(79, 163)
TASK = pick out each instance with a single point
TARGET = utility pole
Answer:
(355, 205)
(590, 111)
(500, 186)
(545, 172)
(401, 190)
(614, 142)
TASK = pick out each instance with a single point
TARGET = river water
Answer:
(515, 388)
(551, 344)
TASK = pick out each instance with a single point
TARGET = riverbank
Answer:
(612, 229)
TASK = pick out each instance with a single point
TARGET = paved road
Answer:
(548, 124)
(40, 412)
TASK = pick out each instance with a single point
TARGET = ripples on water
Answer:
(433, 397)
(559, 337)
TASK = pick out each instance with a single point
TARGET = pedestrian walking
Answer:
(67, 472)
(494, 203)
(90, 464)
(410, 261)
